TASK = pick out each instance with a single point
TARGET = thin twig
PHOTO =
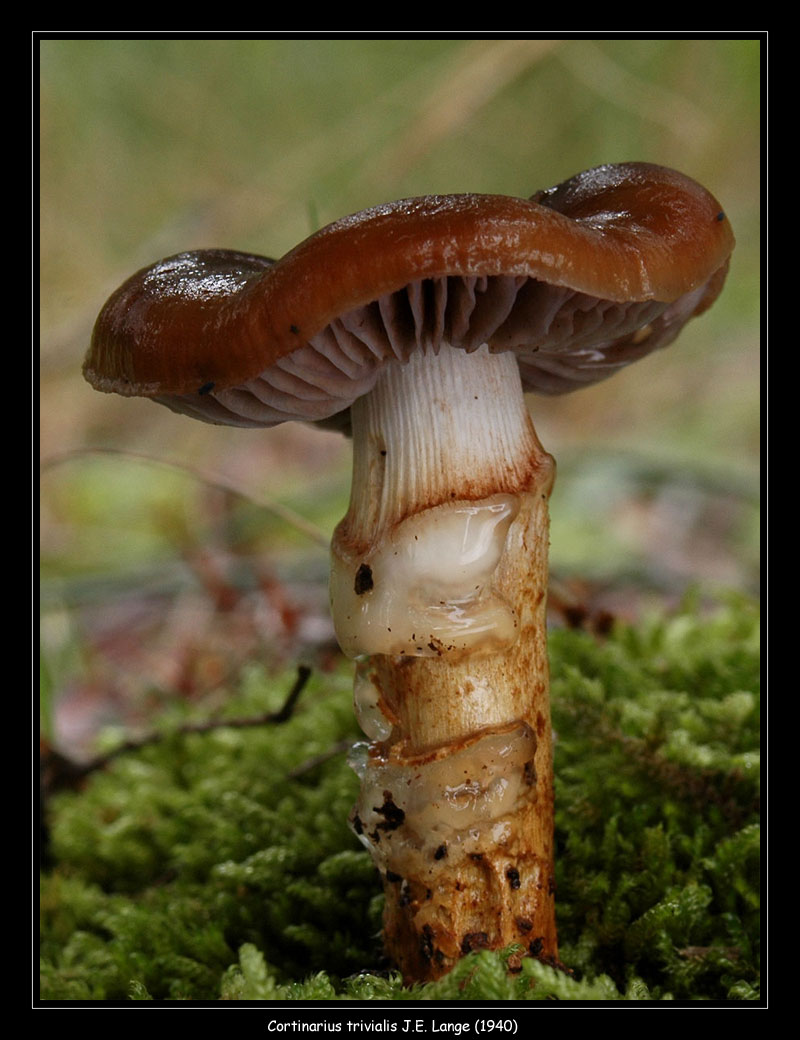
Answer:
(59, 772)
(316, 760)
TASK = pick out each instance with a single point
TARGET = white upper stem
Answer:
(441, 427)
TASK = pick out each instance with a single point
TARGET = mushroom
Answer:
(416, 327)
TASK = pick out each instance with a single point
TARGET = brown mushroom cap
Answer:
(578, 280)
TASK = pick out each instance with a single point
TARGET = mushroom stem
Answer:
(438, 587)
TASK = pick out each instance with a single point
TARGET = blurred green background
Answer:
(159, 581)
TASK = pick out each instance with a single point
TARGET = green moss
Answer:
(219, 866)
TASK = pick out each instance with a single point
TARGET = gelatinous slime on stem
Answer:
(429, 589)
(453, 801)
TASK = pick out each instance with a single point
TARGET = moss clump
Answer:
(220, 866)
